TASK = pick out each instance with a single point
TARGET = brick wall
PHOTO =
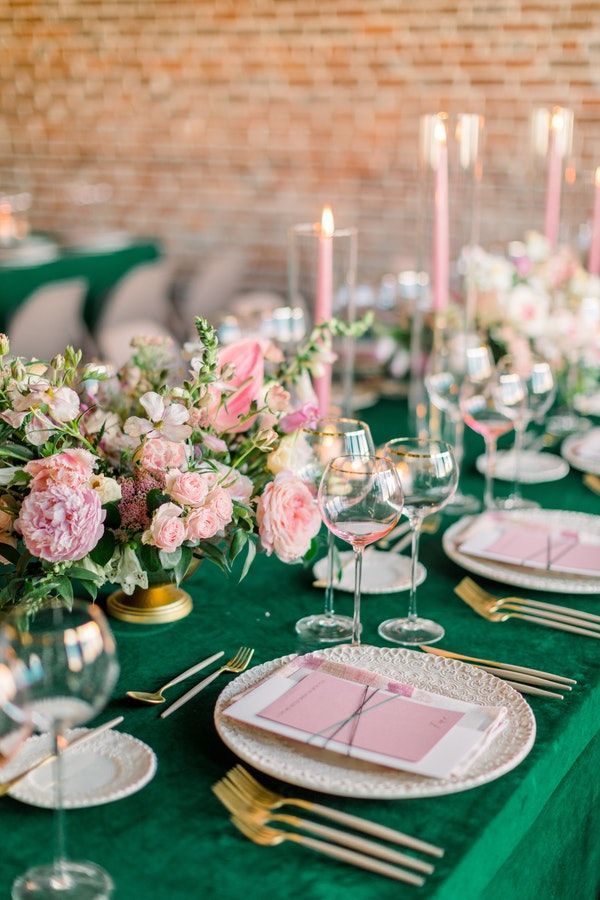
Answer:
(221, 122)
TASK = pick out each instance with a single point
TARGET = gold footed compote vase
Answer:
(162, 601)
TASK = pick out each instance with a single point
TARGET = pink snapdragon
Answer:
(288, 518)
(61, 523)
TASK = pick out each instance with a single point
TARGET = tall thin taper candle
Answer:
(594, 255)
(441, 239)
(324, 300)
(554, 181)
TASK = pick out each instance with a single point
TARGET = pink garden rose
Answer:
(238, 486)
(167, 531)
(305, 416)
(159, 455)
(219, 501)
(61, 523)
(72, 468)
(187, 488)
(202, 523)
(247, 359)
(288, 518)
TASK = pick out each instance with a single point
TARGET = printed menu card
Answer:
(357, 713)
(532, 545)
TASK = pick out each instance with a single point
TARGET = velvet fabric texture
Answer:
(532, 833)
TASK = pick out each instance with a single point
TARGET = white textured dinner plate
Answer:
(332, 773)
(577, 460)
(383, 572)
(109, 767)
(535, 468)
(534, 579)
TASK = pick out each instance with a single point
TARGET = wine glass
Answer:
(447, 369)
(15, 717)
(524, 390)
(70, 657)
(429, 476)
(313, 448)
(360, 499)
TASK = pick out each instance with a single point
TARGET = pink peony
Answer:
(159, 455)
(187, 488)
(300, 418)
(202, 523)
(288, 518)
(220, 502)
(70, 467)
(61, 523)
(167, 531)
(247, 359)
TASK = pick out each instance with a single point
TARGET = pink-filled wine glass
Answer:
(360, 499)
(481, 414)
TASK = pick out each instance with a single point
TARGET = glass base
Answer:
(411, 632)
(462, 505)
(567, 423)
(324, 629)
(515, 503)
(71, 881)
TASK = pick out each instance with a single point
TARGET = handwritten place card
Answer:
(354, 712)
(531, 545)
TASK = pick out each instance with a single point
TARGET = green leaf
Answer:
(183, 564)
(10, 553)
(312, 551)
(216, 556)
(82, 574)
(237, 544)
(249, 559)
(169, 560)
(90, 588)
(16, 451)
(154, 499)
(104, 549)
(113, 517)
(148, 557)
(65, 589)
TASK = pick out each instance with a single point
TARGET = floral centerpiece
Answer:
(125, 477)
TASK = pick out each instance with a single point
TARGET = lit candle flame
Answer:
(597, 177)
(439, 132)
(327, 224)
(558, 122)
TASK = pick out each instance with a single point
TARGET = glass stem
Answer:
(518, 452)
(358, 553)
(58, 741)
(490, 452)
(330, 560)
(459, 446)
(415, 524)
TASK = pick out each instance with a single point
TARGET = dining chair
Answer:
(142, 293)
(114, 341)
(49, 319)
(211, 288)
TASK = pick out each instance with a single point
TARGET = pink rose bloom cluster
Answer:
(159, 455)
(61, 519)
(288, 518)
(170, 527)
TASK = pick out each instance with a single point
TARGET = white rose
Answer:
(108, 489)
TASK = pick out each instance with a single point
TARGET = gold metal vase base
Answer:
(150, 606)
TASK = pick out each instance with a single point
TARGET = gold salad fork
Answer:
(271, 837)
(236, 665)
(256, 794)
(242, 809)
(549, 615)
(592, 482)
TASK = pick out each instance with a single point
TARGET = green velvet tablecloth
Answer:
(531, 834)
(101, 271)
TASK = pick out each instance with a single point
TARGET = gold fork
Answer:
(236, 664)
(488, 606)
(593, 482)
(255, 793)
(271, 837)
(239, 807)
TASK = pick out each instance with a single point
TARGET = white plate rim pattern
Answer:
(110, 743)
(559, 470)
(504, 574)
(320, 572)
(284, 760)
(568, 452)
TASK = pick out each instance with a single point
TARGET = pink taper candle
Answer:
(594, 255)
(554, 180)
(324, 300)
(441, 238)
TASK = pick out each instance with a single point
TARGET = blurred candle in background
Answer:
(441, 238)
(594, 255)
(324, 300)
(552, 134)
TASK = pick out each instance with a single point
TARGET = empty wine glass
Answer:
(15, 717)
(447, 369)
(429, 476)
(524, 390)
(70, 657)
(313, 448)
(360, 498)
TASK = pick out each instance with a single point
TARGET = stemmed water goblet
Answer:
(360, 499)
(15, 716)
(524, 390)
(313, 449)
(429, 476)
(70, 657)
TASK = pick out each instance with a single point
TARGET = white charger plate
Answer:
(382, 573)
(333, 773)
(109, 767)
(569, 451)
(535, 468)
(534, 579)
